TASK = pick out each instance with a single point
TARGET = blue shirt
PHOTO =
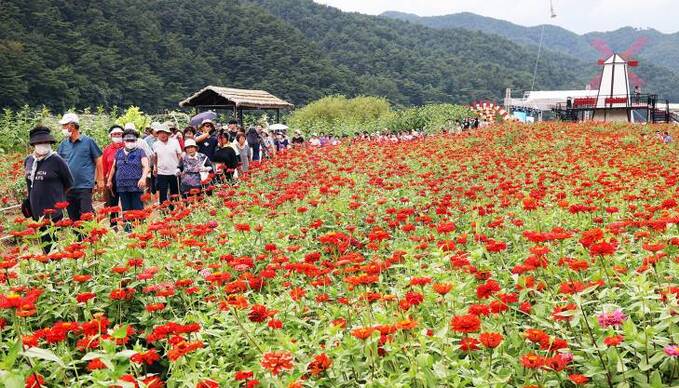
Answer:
(81, 157)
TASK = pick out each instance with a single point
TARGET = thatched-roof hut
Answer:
(217, 97)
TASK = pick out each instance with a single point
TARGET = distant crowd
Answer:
(163, 160)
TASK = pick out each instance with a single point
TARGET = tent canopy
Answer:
(221, 97)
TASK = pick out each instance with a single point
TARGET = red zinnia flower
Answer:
(613, 340)
(532, 361)
(491, 340)
(466, 323)
(362, 333)
(276, 362)
(442, 288)
(578, 379)
(469, 344)
(319, 365)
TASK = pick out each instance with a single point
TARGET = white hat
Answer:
(69, 118)
(170, 124)
(158, 127)
(190, 143)
(130, 126)
(115, 129)
(207, 121)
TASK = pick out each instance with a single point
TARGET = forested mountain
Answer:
(153, 53)
(659, 54)
(418, 64)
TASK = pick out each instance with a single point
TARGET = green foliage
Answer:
(431, 118)
(341, 116)
(134, 115)
(15, 125)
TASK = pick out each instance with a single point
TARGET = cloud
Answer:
(580, 16)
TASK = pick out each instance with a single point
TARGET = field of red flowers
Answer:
(537, 256)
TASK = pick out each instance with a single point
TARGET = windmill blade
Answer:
(636, 47)
(635, 80)
(602, 47)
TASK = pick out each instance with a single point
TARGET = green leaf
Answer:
(656, 380)
(12, 379)
(43, 354)
(92, 356)
(9, 360)
(120, 332)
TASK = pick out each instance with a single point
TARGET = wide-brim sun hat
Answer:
(190, 143)
(41, 135)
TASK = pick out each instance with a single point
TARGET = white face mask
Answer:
(66, 132)
(117, 139)
(130, 145)
(42, 149)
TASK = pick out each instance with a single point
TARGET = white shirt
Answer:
(167, 155)
(141, 143)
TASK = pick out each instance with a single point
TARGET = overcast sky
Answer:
(580, 16)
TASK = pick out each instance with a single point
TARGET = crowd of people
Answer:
(164, 161)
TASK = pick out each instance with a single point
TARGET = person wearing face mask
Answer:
(84, 160)
(130, 169)
(48, 179)
(195, 168)
(166, 155)
(115, 133)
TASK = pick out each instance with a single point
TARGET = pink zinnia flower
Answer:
(613, 318)
(672, 350)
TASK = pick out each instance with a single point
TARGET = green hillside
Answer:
(153, 53)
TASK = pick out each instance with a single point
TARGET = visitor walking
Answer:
(128, 173)
(47, 180)
(232, 128)
(226, 158)
(254, 139)
(115, 133)
(267, 148)
(243, 150)
(206, 138)
(83, 157)
(298, 139)
(667, 138)
(195, 168)
(166, 155)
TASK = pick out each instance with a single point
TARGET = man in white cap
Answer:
(83, 157)
(166, 156)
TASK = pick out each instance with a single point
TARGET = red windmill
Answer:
(634, 49)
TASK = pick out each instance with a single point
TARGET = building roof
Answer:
(239, 98)
(547, 99)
